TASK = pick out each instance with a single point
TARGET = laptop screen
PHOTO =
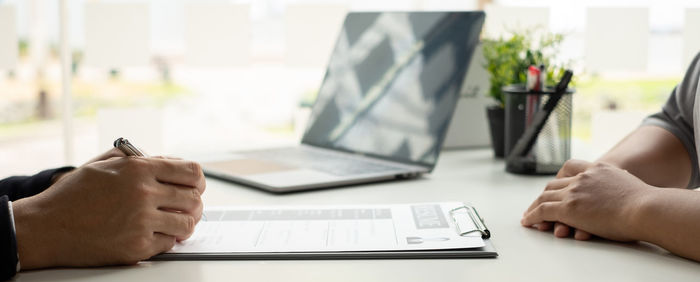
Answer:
(392, 84)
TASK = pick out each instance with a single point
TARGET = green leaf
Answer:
(507, 59)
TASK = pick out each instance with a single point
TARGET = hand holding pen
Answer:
(113, 210)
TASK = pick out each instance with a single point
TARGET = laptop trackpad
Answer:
(243, 167)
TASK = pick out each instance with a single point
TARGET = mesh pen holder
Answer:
(553, 144)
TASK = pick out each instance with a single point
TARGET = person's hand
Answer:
(573, 167)
(570, 168)
(111, 153)
(114, 152)
(603, 200)
(115, 211)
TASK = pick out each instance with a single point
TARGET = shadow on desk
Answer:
(113, 273)
(649, 248)
(637, 250)
(342, 186)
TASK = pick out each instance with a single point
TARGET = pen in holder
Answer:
(538, 128)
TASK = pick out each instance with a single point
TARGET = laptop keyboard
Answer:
(336, 164)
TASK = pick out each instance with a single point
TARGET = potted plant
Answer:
(507, 60)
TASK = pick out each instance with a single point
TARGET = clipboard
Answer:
(462, 217)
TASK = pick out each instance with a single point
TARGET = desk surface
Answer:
(470, 176)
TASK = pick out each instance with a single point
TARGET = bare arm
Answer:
(612, 203)
(654, 155)
(621, 189)
(669, 218)
(662, 153)
(617, 197)
(651, 153)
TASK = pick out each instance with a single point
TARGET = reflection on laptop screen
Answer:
(392, 83)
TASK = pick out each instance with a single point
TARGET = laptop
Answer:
(382, 111)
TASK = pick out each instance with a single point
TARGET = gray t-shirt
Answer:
(681, 116)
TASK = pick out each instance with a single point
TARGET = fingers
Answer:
(162, 243)
(561, 230)
(551, 193)
(179, 172)
(167, 158)
(573, 167)
(544, 226)
(546, 196)
(547, 211)
(558, 183)
(179, 198)
(112, 153)
(582, 235)
(178, 225)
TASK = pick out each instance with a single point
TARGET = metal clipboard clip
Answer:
(462, 216)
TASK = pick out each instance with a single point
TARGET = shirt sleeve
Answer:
(8, 242)
(14, 188)
(676, 116)
(18, 187)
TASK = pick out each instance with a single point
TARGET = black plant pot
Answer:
(497, 116)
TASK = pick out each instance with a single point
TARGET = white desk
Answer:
(473, 176)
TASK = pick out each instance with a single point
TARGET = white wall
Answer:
(501, 20)
(117, 34)
(8, 37)
(310, 33)
(691, 35)
(217, 34)
(616, 39)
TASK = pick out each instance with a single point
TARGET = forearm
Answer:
(654, 155)
(669, 218)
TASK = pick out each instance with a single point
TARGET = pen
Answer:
(127, 148)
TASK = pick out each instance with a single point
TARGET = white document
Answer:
(424, 226)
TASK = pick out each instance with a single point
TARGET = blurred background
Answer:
(186, 77)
